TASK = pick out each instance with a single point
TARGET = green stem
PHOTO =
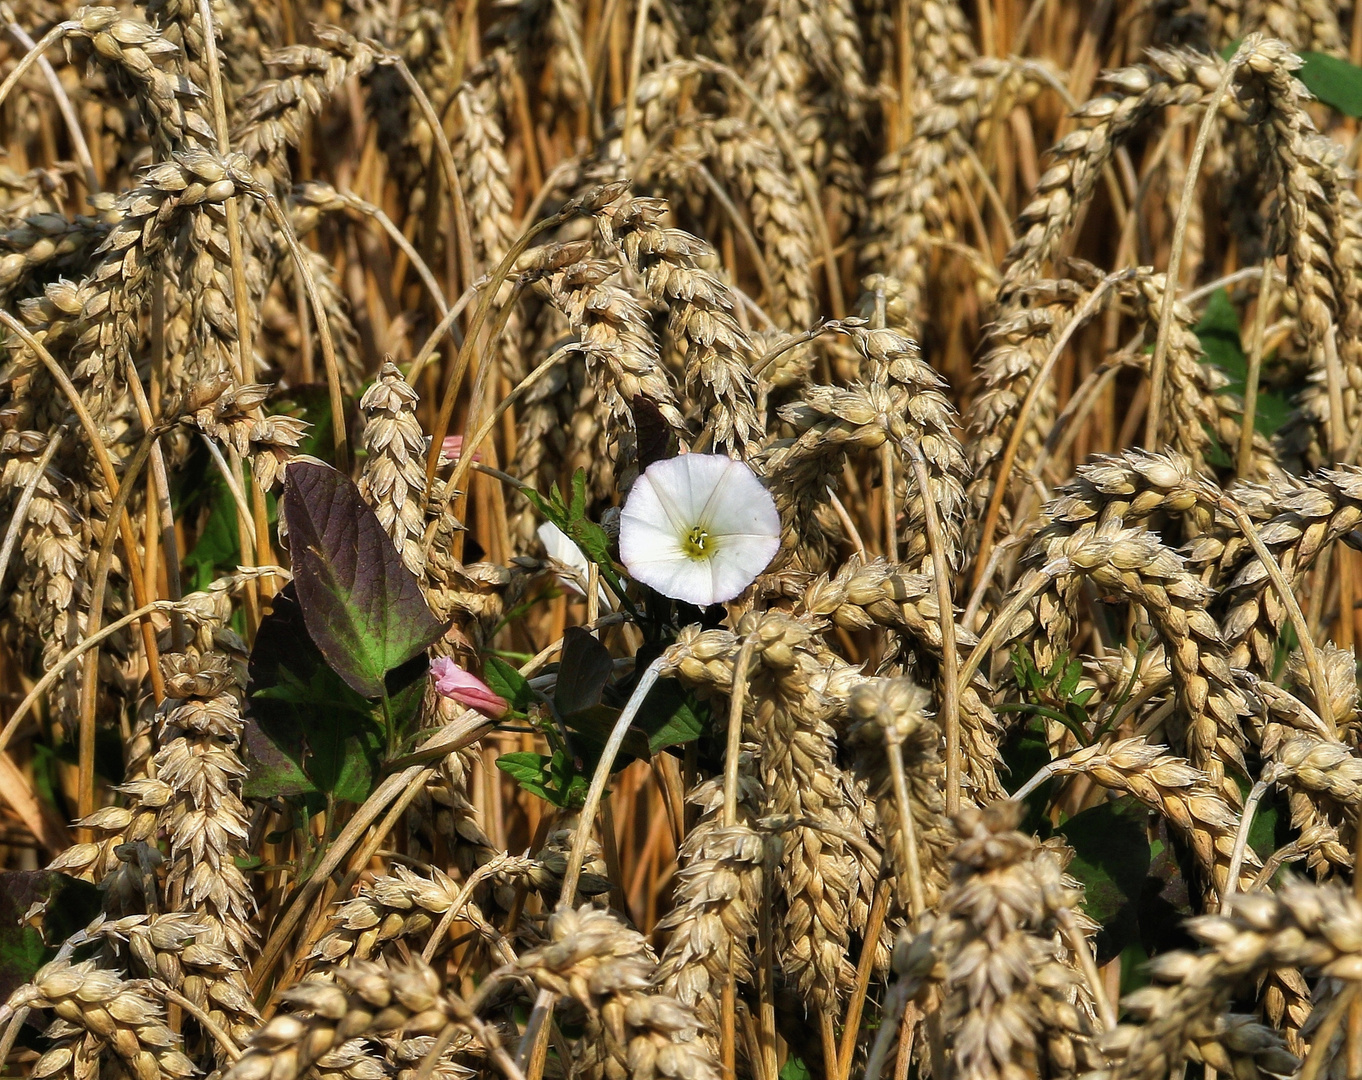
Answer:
(1044, 710)
(390, 733)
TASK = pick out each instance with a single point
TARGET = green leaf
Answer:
(218, 547)
(506, 681)
(307, 731)
(583, 671)
(569, 785)
(552, 508)
(1111, 859)
(406, 689)
(1068, 680)
(1218, 332)
(529, 770)
(1216, 454)
(1271, 816)
(1024, 670)
(795, 1069)
(1025, 752)
(69, 905)
(589, 537)
(577, 508)
(670, 716)
(552, 779)
(1134, 961)
(1262, 835)
(593, 725)
(362, 606)
(1335, 82)
(1221, 318)
(1078, 716)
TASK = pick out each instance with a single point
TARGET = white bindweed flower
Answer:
(573, 568)
(698, 528)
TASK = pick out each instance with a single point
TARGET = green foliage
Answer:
(588, 706)
(1270, 828)
(1111, 859)
(1219, 334)
(218, 547)
(1025, 753)
(670, 716)
(1053, 693)
(339, 666)
(68, 906)
(1334, 81)
(363, 607)
(583, 671)
(507, 682)
(1110, 842)
(307, 731)
(795, 1069)
(571, 518)
(553, 778)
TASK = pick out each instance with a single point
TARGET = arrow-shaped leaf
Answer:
(362, 606)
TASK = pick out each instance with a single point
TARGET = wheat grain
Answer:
(114, 1011)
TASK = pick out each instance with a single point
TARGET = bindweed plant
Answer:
(679, 541)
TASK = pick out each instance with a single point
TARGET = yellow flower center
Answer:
(697, 543)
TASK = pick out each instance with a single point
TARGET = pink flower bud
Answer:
(468, 690)
(452, 449)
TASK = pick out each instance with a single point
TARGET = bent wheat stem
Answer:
(587, 816)
(1174, 274)
(19, 514)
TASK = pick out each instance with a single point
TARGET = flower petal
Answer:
(646, 507)
(467, 689)
(560, 548)
(738, 560)
(647, 531)
(741, 506)
(716, 493)
(682, 578)
(687, 484)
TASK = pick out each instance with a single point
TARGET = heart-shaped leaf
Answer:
(509, 683)
(362, 606)
(670, 716)
(553, 779)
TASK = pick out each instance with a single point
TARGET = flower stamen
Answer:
(697, 543)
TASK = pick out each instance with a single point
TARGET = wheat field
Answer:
(711, 540)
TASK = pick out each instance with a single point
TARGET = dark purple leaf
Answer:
(306, 731)
(583, 671)
(70, 904)
(653, 432)
(362, 606)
